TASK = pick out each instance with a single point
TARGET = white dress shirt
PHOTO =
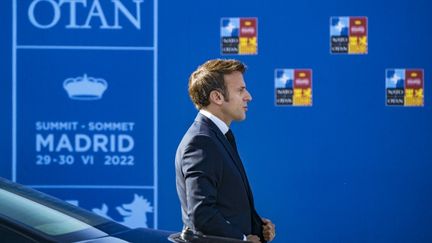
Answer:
(219, 123)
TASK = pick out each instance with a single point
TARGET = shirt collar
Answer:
(219, 123)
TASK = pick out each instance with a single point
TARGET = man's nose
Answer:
(248, 96)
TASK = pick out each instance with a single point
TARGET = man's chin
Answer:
(241, 118)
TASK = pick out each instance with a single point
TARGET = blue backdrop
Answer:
(349, 168)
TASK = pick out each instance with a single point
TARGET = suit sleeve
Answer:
(202, 169)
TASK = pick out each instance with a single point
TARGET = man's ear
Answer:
(216, 97)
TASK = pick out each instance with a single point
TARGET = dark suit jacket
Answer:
(214, 192)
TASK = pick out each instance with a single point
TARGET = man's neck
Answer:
(218, 114)
(216, 120)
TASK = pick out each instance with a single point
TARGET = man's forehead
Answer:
(235, 79)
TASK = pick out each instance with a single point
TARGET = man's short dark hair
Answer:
(210, 76)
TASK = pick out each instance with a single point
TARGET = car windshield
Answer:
(38, 216)
(47, 217)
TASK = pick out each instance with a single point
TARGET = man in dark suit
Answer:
(215, 195)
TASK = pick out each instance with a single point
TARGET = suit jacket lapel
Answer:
(238, 163)
(235, 157)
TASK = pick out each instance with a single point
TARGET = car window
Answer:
(37, 216)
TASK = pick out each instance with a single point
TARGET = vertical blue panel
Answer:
(107, 141)
(6, 90)
(347, 169)
(85, 101)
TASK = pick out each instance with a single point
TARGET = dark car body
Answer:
(27, 215)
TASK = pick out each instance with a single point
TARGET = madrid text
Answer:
(93, 143)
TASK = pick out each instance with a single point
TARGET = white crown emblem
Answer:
(85, 88)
